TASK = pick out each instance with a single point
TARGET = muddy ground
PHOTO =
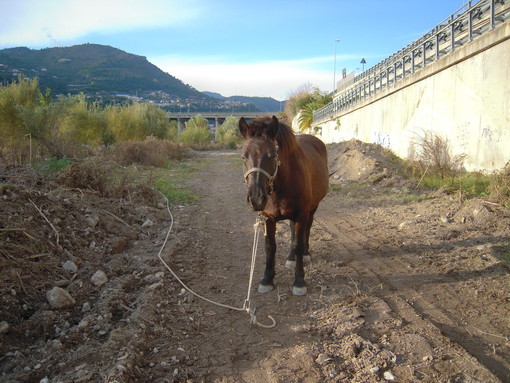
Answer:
(405, 284)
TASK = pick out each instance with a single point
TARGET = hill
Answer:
(102, 73)
(264, 104)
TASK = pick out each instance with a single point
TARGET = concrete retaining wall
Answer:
(464, 97)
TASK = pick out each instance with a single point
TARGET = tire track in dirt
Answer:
(407, 296)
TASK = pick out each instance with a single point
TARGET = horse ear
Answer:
(243, 127)
(273, 127)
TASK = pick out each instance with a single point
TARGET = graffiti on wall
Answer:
(381, 138)
(492, 135)
(464, 135)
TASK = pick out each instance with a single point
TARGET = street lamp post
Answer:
(334, 69)
(363, 62)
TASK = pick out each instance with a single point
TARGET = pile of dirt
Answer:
(355, 160)
(59, 246)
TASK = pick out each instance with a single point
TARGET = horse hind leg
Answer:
(299, 286)
(290, 263)
(307, 258)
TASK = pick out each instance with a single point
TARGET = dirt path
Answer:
(400, 289)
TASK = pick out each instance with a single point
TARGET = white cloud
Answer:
(264, 79)
(39, 23)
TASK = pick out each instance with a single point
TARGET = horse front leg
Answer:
(290, 263)
(307, 256)
(266, 284)
(299, 245)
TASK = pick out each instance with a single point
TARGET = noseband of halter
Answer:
(260, 170)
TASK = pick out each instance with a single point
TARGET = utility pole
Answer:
(334, 69)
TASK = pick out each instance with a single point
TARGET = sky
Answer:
(264, 48)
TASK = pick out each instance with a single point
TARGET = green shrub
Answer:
(196, 131)
(228, 133)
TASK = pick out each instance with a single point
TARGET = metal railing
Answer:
(463, 26)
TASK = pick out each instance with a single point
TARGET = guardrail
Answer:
(463, 26)
(185, 115)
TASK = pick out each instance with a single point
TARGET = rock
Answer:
(120, 245)
(375, 370)
(388, 375)
(445, 219)
(156, 285)
(99, 278)
(86, 307)
(59, 298)
(70, 267)
(323, 359)
(404, 224)
(4, 327)
(92, 220)
(148, 223)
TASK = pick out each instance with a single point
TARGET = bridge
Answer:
(215, 119)
(452, 81)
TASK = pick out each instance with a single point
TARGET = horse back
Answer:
(316, 161)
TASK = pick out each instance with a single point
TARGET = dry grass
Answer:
(86, 175)
(434, 155)
(109, 181)
(499, 188)
(150, 152)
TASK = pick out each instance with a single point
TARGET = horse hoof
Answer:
(264, 289)
(299, 291)
(290, 264)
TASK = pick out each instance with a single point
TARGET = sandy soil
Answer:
(404, 284)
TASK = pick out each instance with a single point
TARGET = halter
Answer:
(260, 170)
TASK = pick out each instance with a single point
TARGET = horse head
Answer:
(260, 156)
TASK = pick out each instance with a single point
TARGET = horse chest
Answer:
(284, 208)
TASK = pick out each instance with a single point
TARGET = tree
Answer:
(196, 131)
(228, 132)
(137, 121)
(22, 94)
(306, 100)
(306, 116)
(309, 103)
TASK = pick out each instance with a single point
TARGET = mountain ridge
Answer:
(109, 74)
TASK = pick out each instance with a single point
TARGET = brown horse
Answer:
(287, 177)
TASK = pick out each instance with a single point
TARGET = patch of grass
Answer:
(174, 194)
(52, 166)
(349, 190)
(470, 184)
(502, 252)
(410, 198)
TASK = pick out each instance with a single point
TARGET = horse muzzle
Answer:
(257, 200)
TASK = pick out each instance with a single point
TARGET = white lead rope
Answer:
(246, 306)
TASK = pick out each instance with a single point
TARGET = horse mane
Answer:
(285, 137)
